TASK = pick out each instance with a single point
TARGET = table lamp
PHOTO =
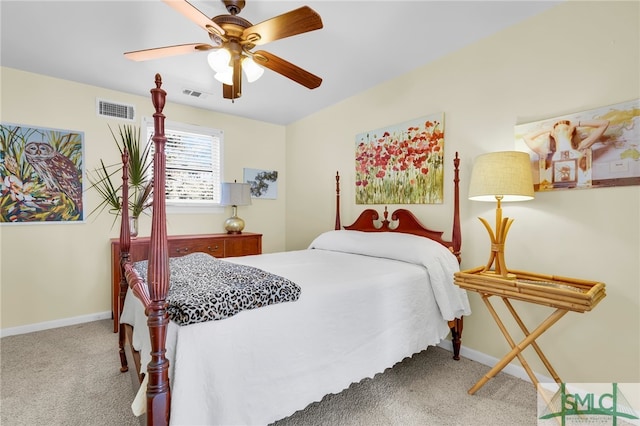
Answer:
(235, 194)
(501, 177)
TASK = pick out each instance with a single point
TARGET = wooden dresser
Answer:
(218, 245)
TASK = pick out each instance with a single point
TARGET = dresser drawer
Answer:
(214, 247)
(243, 246)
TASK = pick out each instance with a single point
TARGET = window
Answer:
(194, 164)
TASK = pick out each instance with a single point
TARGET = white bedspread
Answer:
(357, 315)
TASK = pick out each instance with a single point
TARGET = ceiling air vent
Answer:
(115, 110)
(195, 93)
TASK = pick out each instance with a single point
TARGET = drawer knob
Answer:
(214, 248)
(184, 250)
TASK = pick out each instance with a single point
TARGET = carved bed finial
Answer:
(385, 221)
(158, 97)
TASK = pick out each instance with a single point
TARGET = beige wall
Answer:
(577, 56)
(51, 272)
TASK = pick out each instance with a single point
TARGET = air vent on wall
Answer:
(115, 110)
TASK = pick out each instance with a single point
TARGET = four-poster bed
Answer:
(358, 300)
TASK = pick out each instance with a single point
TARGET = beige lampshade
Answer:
(507, 174)
(235, 194)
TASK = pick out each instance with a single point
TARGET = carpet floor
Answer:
(70, 376)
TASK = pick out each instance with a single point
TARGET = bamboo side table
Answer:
(563, 294)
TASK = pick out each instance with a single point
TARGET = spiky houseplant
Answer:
(140, 182)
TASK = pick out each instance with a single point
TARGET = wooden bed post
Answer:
(456, 239)
(158, 392)
(125, 247)
(338, 226)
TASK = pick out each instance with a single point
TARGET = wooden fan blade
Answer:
(287, 69)
(188, 10)
(161, 52)
(297, 21)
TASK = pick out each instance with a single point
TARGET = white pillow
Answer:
(391, 245)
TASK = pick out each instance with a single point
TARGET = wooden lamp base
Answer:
(498, 240)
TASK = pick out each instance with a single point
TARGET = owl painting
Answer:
(58, 172)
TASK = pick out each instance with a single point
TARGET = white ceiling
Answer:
(362, 44)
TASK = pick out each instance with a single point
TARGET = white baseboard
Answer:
(511, 369)
(54, 324)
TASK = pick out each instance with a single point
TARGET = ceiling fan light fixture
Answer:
(219, 60)
(225, 76)
(252, 70)
(232, 41)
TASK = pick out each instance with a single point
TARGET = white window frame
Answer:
(192, 206)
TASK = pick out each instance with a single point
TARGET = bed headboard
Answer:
(402, 220)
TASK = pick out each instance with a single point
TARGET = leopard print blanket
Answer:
(203, 288)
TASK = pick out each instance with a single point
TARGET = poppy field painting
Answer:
(401, 164)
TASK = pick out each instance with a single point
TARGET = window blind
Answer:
(193, 166)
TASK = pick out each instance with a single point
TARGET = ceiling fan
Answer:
(233, 39)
